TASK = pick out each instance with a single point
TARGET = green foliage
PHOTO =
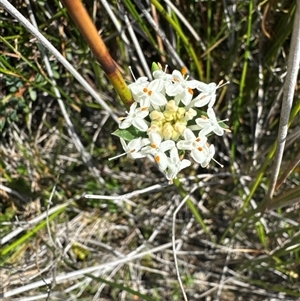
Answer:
(128, 134)
(11, 106)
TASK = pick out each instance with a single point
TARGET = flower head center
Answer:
(170, 122)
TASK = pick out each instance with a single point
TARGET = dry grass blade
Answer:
(288, 96)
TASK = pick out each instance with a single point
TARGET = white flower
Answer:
(135, 117)
(210, 124)
(132, 149)
(200, 151)
(181, 88)
(152, 93)
(203, 99)
(159, 74)
(175, 165)
(207, 88)
(209, 153)
(136, 88)
(134, 146)
(165, 111)
(157, 148)
(207, 95)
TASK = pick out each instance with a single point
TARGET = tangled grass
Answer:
(56, 140)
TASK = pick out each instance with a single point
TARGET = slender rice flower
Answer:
(175, 164)
(209, 152)
(162, 76)
(152, 93)
(181, 87)
(136, 88)
(203, 99)
(165, 118)
(136, 117)
(133, 148)
(196, 144)
(158, 148)
(210, 124)
(207, 95)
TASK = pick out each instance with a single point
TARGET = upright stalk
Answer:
(88, 30)
(288, 95)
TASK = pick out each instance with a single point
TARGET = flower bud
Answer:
(171, 106)
(167, 131)
(156, 115)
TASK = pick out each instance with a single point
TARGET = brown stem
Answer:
(89, 32)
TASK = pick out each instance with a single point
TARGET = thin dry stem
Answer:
(288, 95)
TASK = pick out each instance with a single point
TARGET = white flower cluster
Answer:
(168, 122)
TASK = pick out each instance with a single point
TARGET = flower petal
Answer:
(140, 124)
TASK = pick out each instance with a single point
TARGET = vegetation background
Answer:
(56, 141)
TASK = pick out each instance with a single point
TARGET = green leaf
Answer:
(129, 133)
(32, 94)
(2, 123)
